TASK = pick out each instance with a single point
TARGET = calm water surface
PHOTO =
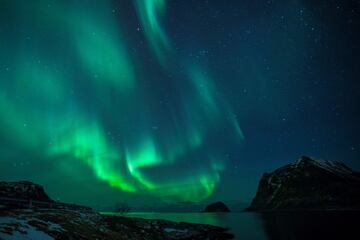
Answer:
(281, 225)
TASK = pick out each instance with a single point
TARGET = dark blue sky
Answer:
(290, 68)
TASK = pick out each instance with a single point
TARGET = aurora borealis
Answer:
(72, 126)
(167, 100)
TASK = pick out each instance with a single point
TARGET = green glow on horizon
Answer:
(146, 155)
(89, 144)
(186, 189)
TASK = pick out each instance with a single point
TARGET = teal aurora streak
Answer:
(115, 126)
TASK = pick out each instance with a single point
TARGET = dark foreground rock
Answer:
(308, 184)
(23, 190)
(27, 212)
(216, 207)
(25, 194)
(67, 224)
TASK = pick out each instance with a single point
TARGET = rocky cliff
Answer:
(23, 190)
(308, 184)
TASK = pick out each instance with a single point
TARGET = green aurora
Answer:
(74, 89)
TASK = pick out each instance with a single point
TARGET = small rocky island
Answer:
(308, 184)
(216, 207)
(27, 212)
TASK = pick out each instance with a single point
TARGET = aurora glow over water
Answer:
(140, 101)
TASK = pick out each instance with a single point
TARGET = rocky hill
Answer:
(216, 207)
(308, 184)
(23, 190)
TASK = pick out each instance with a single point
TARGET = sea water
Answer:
(274, 225)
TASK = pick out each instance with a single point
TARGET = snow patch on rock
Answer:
(21, 231)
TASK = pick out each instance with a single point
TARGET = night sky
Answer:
(149, 101)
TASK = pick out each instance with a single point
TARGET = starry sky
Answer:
(169, 101)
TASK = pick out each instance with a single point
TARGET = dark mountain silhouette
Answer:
(23, 190)
(308, 184)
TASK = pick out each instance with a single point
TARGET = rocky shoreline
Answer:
(27, 212)
(81, 225)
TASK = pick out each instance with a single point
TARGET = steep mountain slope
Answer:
(308, 184)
